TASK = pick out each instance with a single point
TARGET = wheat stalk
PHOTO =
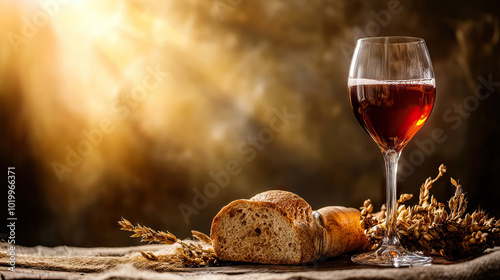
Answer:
(148, 234)
(432, 228)
(190, 254)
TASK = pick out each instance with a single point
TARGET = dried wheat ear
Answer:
(433, 228)
(189, 254)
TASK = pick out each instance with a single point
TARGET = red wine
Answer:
(392, 111)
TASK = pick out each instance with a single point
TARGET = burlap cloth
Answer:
(127, 263)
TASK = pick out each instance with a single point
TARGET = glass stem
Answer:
(391, 159)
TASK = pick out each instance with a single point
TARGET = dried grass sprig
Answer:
(432, 227)
(189, 253)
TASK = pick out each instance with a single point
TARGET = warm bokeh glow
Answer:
(132, 107)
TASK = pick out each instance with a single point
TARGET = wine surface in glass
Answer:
(392, 111)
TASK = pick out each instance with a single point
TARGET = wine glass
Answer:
(392, 91)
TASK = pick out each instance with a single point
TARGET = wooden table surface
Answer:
(484, 267)
(281, 271)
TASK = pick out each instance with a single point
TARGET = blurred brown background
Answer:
(126, 108)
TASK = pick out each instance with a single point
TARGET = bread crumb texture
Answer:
(257, 232)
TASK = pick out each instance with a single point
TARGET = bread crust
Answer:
(341, 222)
(294, 205)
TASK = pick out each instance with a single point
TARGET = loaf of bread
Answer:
(279, 227)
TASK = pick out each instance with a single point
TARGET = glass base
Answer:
(391, 255)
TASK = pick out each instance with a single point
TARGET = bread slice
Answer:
(274, 227)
